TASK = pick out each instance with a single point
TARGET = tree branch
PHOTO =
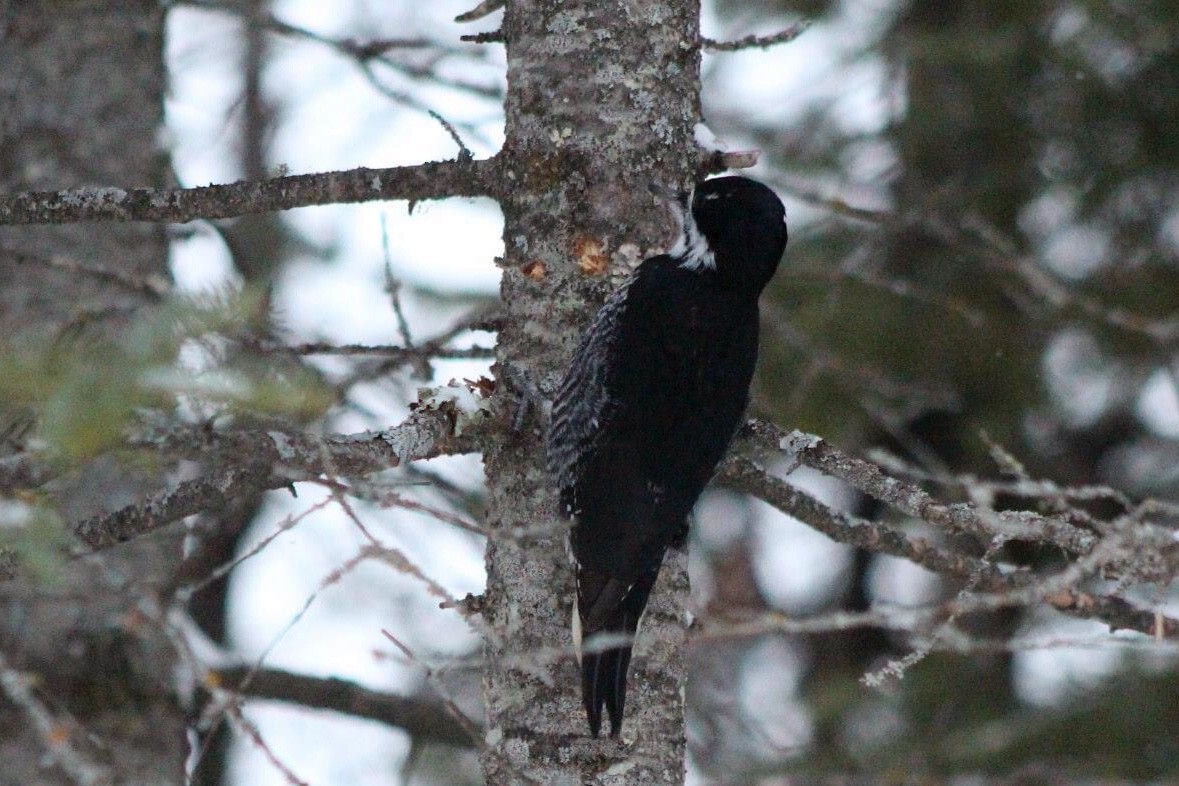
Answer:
(1133, 547)
(756, 41)
(421, 718)
(841, 527)
(819, 454)
(260, 461)
(212, 492)
(432, 180)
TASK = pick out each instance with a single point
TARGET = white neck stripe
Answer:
(692, 247)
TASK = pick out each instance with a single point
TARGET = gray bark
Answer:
(81, 100)
(602, 99)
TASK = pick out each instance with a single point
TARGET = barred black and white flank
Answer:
(647, 409)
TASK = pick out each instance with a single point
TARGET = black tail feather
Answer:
(608, 606)
(603, 683)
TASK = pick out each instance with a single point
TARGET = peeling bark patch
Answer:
(535, 269)
(591, 256)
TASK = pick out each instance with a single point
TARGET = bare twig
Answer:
(226, 704)
(493, 37)
(902, 288)
(731, 625)
(758, 41)
(974, 231)
(807, 192)
(479, 320)
(1048, 288)
(55, 732)
(912, 620)
(388, 498)
(378, 49)
(186, 591)
(472, 730)
(465, 153)
(410, 101)
(896, 667)
(247, 727)
(393, 289)
(154, 287)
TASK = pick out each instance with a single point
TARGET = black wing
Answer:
(653, 396)
(581, 404)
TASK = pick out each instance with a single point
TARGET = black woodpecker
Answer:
(656, 390)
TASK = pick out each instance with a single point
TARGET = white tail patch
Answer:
(576, 627)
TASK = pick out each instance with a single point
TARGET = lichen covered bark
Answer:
(602, 99)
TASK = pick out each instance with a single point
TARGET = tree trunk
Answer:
(602, 99)
(81, 104)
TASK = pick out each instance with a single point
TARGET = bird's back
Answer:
(676, 384)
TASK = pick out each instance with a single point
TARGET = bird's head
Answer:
(736, 226)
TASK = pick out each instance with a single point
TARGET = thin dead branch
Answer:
(758, 41)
